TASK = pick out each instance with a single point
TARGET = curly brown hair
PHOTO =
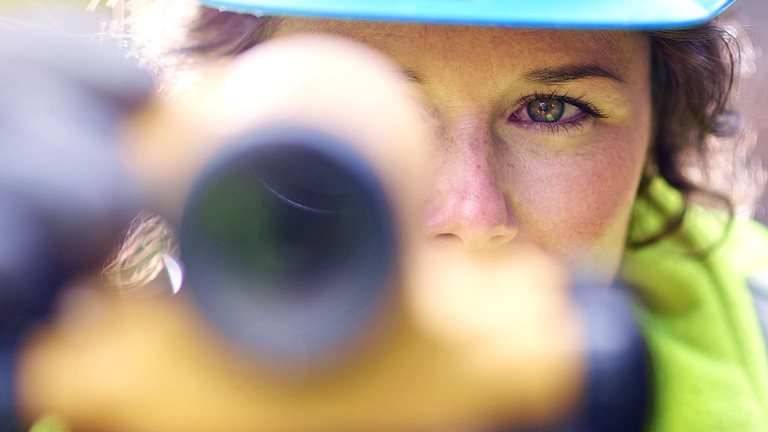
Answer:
(692, 76)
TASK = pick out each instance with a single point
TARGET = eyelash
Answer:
(579, 102)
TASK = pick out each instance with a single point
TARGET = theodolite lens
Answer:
(288, 243)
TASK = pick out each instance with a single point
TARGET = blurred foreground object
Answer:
(64, 200)
(412, 344)
(59, 167)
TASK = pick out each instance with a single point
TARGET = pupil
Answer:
(548, 111)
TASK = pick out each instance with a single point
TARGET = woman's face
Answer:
(539, 136)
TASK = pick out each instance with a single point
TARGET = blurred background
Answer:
(752, 17)
(748, 19)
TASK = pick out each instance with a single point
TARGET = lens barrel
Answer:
(289, 244)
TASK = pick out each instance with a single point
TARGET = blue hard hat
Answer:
(592, 14)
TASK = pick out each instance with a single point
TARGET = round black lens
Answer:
(288, 242)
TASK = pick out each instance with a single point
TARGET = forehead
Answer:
(415, 43)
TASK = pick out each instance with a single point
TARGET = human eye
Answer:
(553, 113)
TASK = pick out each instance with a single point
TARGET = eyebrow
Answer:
(551, 76)
(573, 72)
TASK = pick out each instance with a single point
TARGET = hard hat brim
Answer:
(587, 14)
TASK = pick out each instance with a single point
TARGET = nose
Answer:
(470, 204)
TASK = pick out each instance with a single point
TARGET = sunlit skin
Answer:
(504, 174)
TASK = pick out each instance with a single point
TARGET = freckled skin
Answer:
(496, 183)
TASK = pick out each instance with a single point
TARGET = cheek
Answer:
(577, 203)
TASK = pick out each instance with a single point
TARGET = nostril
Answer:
(476, 241)
(448, 238)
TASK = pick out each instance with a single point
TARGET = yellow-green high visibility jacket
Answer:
(700, 313)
